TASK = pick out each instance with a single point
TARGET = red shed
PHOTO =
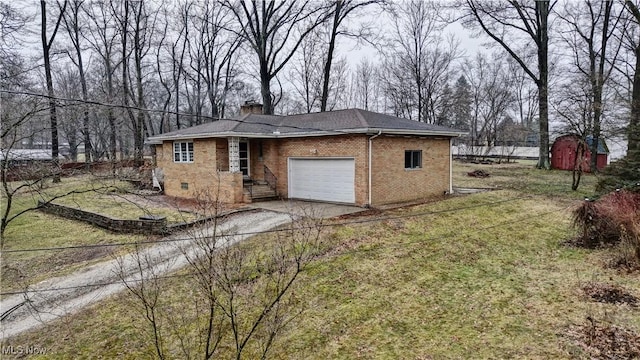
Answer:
(563, 153)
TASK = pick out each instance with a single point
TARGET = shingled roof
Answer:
(350, 121)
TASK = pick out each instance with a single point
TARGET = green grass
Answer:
(524, 177)
(35, 229)
(476, 276)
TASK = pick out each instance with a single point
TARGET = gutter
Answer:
(370, 161)
(158, 139)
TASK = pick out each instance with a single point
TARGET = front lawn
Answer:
(34, 229)
(479, 276)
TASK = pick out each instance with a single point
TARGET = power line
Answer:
(251, 233)
(75, 287)
(132, 107)
(450, 235)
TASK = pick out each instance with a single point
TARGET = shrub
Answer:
(611, 220)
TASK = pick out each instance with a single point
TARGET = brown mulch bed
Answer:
(624, 265)
(609, 293)
(605, 341)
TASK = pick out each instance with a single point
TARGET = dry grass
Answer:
(524, 177)
(477, 276)
(38, 230)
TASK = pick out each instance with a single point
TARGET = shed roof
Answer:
(602, 145)
(349, 121)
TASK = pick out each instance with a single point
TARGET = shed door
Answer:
(324, 179)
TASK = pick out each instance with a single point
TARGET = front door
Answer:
(243, 150)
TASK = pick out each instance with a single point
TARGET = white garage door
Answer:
(325, 179)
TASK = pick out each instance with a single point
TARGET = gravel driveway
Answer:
(57, 297)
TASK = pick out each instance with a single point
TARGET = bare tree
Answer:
(575, 106)
(12, 22)
(74, 27)
(306, 73)
(102, 38)
(240, 295)
(69, 126)
(342, 10)
(274, 30)
(47, 43)
(492, 96)
(525, 95)
(633, 129)
(514, 25)
(590, 34)
(365, 82)
(419, 61)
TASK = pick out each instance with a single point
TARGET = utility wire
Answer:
(132, 107)
(251, 233)
(450, 235)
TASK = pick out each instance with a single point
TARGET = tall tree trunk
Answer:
(46, 47)
(125, 73)
(265, 89)
(83, 83)
(597, 83)
(543, 85)
(140, 117)
(633, 130)
(327, 65)
(111, 118)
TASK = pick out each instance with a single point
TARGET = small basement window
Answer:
(183, 151)
(413, 159)
(184, 186)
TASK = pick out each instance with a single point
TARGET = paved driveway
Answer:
(57, 297)
(308, 208)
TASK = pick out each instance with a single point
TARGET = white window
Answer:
(183, 151)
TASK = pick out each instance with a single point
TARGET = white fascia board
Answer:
(157, 140)
(416, 132)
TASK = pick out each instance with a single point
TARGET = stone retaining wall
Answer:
(156, 226)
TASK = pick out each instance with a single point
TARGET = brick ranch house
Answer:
(347, 156)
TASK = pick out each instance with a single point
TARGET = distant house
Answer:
(564, 148)
(347, 156)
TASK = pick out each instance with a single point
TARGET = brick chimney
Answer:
(250, 107)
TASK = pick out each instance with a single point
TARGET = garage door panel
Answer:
(322, 179)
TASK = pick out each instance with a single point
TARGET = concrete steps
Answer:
(259, 192)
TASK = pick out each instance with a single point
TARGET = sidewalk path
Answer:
(71, 293)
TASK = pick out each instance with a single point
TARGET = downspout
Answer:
(451, 165)
(370, 161)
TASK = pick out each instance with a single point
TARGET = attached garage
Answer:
(323, 179)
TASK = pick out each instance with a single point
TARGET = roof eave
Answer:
(416, 132)
(158, 140)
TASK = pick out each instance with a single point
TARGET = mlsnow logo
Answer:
(23, 350)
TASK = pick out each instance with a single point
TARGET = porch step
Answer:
(262, 192)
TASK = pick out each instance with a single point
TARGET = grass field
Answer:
(35, 229)
(477, 276)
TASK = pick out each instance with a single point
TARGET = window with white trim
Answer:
(413, 159)
(183, 151)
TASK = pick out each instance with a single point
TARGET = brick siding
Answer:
(391, 182)
(202, 175)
